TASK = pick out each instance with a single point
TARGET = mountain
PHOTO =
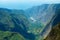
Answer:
(14, 22)
(33, 23)
(47, 15)
(54, 34)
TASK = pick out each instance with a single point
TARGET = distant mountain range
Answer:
(30, 23)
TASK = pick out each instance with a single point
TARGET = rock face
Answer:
(55, 33)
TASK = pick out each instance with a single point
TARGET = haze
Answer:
(24, 4)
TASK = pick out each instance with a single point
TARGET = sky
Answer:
(24, 4)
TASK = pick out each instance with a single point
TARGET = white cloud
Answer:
(32, 19)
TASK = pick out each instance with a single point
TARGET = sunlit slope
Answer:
(55, 33)
(6, 35)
